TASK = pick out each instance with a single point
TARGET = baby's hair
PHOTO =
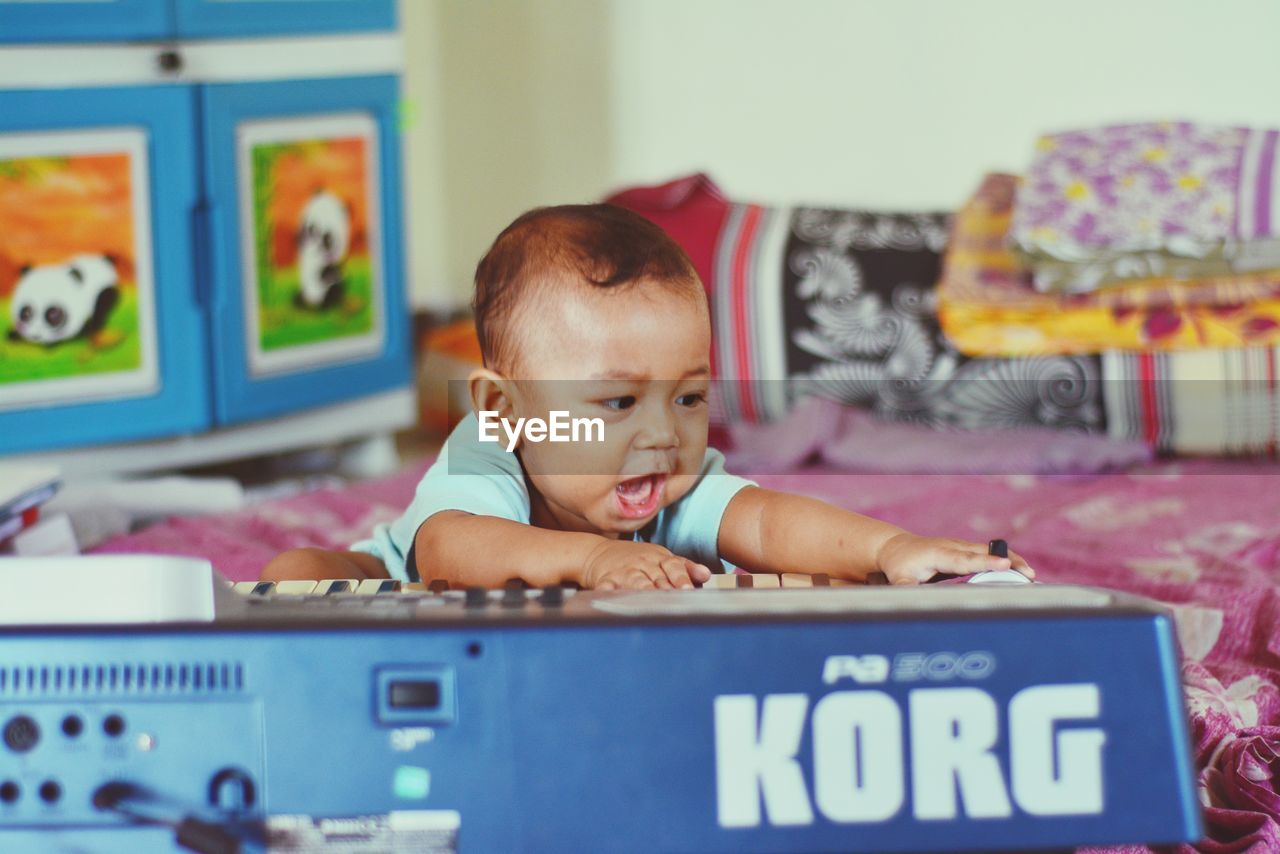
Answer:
(601, 245)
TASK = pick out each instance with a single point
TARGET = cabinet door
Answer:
(101, 335)
(84, 20)
(308, 298)
(225, 18)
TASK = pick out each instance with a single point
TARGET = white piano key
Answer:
(721, 581)
(334, 585)
(374, 586)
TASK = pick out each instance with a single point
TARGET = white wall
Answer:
(894, 103)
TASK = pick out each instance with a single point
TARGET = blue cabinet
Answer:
(84, 20)
(224, 18)
(303, 182)
(103, 337)
(178, 256)
(133, 20)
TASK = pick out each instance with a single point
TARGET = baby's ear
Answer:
(490, 392)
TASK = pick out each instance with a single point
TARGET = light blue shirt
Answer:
(485, 479)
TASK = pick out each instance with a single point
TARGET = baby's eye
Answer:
(620, 403)
(693, 398)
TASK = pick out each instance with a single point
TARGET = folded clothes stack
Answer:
(988, 306)
(1173, 199)
(1155, 248)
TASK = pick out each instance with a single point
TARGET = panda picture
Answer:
(323, 241)
(58, 302)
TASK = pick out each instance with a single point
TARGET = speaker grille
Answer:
(166, 678)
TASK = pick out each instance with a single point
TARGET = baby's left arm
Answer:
(767, 531)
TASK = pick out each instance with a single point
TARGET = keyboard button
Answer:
(295, 587)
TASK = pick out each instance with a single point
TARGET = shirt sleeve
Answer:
(468, 476)
(692, 525)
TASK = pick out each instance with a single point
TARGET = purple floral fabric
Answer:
(1168, 198)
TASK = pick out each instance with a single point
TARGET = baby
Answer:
(594, 313)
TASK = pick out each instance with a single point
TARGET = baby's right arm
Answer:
(318, 564)
(467, 549)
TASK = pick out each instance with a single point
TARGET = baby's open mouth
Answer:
(640, 496)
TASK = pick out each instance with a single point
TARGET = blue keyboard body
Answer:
(848, 719)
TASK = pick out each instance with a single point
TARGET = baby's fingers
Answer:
(957, 562)
(677, 574)
(1020, 564)
(655, 577)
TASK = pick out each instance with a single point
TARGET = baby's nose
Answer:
(658, 432)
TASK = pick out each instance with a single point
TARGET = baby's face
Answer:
(638, 359)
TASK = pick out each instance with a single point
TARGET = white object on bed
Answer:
(106, 589)
(998, 576)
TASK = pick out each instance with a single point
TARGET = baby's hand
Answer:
(624, 563)
(908, 559)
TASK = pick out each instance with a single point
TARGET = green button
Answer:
(411, 783)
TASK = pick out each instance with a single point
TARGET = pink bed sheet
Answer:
(1203, 536)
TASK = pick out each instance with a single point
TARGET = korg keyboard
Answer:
(779, 718)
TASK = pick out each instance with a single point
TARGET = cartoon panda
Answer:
(57, 302)
(323, 240)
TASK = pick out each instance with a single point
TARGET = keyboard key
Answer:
(763, 580)
(796, 579)
(245, 587)
(333, 585)
(375, 586)
(720, 581)
(295, 587)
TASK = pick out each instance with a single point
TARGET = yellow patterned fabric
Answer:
(987, 306)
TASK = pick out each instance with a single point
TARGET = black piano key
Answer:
(745, 581)
(262, 588)
(438, 585)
